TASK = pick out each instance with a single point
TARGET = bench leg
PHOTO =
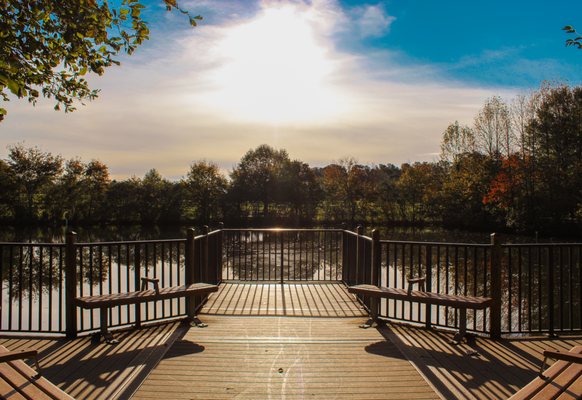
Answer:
(373, 320)
(195, 321)
(462, 326)
(104, 331)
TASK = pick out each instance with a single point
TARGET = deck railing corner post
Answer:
(495, 287)
(345, 252)
(204, 270)
(71, 284)
(551, 302)
(137, 281)
(428, 286)
(219, 247)
(359, 248)
(375, 274)
(189, 270)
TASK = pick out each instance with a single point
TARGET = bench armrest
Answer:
(21, 354)
(558, 355)
(155, 281)
(411, 281)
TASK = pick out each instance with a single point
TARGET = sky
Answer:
(323, 79)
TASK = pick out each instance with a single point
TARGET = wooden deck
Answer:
(88, 371)
(290, 300)
(266, 355)
(252, 349)
(498, 370)
(275, 358)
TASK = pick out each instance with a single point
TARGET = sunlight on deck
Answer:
(290, 299)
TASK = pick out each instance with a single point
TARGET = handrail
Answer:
(282, 230)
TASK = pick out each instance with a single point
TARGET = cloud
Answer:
(276, 75)
(372, 20)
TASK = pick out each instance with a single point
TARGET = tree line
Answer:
(517, 167)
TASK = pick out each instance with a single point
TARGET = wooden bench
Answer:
(461, 303)
(105, 301)
(19, 381)
(562, 380)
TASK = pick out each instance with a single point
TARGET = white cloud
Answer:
(168, 105)
(373, 20)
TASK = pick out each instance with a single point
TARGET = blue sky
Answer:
(326, 79)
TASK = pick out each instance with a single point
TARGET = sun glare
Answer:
(273, 70)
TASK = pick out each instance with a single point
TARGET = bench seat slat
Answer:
(561, 379)
(24, 379)
(422, 297)
(141, 296)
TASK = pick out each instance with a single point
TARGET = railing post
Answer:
(375, 275)
(345, 267)
(219, 253)
(137, 283)
(495, 286)
(189, 270)
(204, 267)
(428, 285)
(359, 247)
(71, 284)
(551, 332)
(282, 257)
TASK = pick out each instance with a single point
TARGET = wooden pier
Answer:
(297, 340)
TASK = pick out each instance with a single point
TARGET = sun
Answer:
(273, 69)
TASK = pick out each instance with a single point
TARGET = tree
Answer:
(257, 177)
(47, 47)
(152, 198)
(457, 140)
(577, 40)
(492, 129)
(463, 190)
(554, 141)
(206, 187)
(123, 200)
(96, 182)
(33, 170)
(419, 189)
(300, 189)
(345, 184)
(8, 191)
(66, 197)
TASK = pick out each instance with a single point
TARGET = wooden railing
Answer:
(41, 281)
(537, 288)
(282, 254)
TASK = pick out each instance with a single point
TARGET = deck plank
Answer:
(274, 357)
(500, 368)
(88, 371)
(290, 299)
